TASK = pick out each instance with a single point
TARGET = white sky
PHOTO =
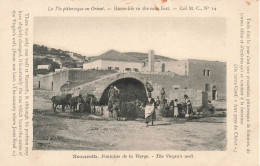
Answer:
(180, 38)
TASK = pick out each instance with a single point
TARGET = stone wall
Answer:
(97, 82)
(54, 81)
(194, 95)
(51, 82)
(101, 86)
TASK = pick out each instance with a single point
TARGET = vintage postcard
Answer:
(163, 82)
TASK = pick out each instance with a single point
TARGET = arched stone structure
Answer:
(135, 81)
(131, 86)
(130, 90)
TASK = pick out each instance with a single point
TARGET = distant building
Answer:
(114, 60)
(58, 70)
(209, 76)
(153, 63)
(57, 60)
(129, 62)
(43, 67)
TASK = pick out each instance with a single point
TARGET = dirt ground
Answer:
(80, 131)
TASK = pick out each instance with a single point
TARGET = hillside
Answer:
(142, 57)
(55, 58)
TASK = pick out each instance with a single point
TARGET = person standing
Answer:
(116, 109)
(116, 103)
(111, 94)
(166, 108)
(149, 105)
(92, 104)
(162, 94)
(80, 103)
(171, 109)
(175, 106)
(157, 106)
(157, 102)
(188, 105)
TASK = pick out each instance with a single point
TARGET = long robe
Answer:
(188, 106)
(176, 111)
(149, 110)
(157, 107)
(111, 95)
(171, 109)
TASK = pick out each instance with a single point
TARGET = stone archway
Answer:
(130, 90)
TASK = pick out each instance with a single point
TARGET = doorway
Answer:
(163, 67)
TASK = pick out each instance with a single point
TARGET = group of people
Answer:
(171, 110)
(175, 108)
(151, 106)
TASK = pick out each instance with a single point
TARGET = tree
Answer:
(69, 64)
(54, 66)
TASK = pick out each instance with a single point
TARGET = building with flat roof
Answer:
(43, 67)
(209, 76)
(130, 62)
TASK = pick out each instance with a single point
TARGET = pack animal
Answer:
(62, 100)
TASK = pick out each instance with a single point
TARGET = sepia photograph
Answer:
(129, 83)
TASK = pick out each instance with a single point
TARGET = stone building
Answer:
(130, 62)
(209, 76)
(129, 71)
(47, 67)
(114, 60)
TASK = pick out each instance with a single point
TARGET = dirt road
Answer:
(75, 131)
